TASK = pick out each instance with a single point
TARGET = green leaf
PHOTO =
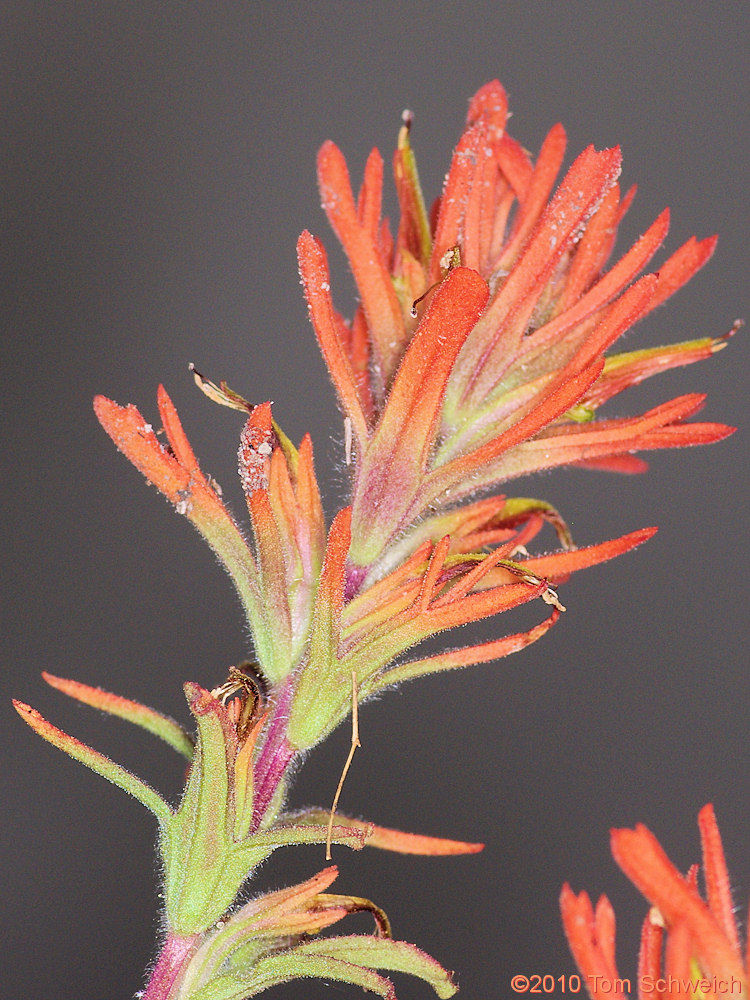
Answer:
(204, 865)
(580, 414)
(411, 198)
(199, 839)
(278, 836)
(140, 715)
(386, 838)
(276, 969)
(314, 711)
(383, 953)
(108, 769)
(261, 925)
(522, 507)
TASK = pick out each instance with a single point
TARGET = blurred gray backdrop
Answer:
(157, 167)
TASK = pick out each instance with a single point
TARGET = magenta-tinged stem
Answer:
(276, 755)
(165, 978)
(355, 576)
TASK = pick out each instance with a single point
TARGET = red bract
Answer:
(476, 354)
(699, 939)
(458, 378)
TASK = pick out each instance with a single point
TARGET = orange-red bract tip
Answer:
(25, 711)
(313, 268)
(330, 597)
(562, 563)
(490, 103)
(137, 440)
(718, 887)
(37, 721)
(379, 299)
(66, 685)
(96, 697)
(198, 698)
(590, 933)
(414, 843)
(46, 729)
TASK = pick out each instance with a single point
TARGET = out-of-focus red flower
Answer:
(689, 946)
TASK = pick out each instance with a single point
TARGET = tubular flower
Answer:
(477, 352)
(698, 938)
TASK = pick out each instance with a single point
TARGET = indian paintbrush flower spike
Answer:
(453, 377)
(500, 369)
(477, 354)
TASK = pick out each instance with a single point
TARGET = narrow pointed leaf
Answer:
(632, 367)
(540, 185)
(467, 656)
(476, 236)
(604, 922)
(275, 650)
(354, 837)
(683, 264)
(655, 429)
(717, 877)
(140, 715)
(387, 839)
(313, 267)
(610, 285)
(288, 965)
(561, 564)
(245, 933)
(244, 781)
(386, 954)
(312, 546)
(592, 250)
(371, 600)
(97, 762)
(490, 104)
(285, 901)
(195, 889)
(588, 941)
(453, 200)
(515, 164)
(649, 956)
(550, 408)
(411, 627)
(414, 227)
(323, 676)
(370, 198)
(626, 465)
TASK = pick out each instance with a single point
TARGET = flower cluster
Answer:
(478, 353)
(689, 945)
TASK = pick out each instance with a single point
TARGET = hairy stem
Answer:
(276, 755)
(164, 983)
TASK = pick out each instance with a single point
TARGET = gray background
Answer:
(158, 165)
